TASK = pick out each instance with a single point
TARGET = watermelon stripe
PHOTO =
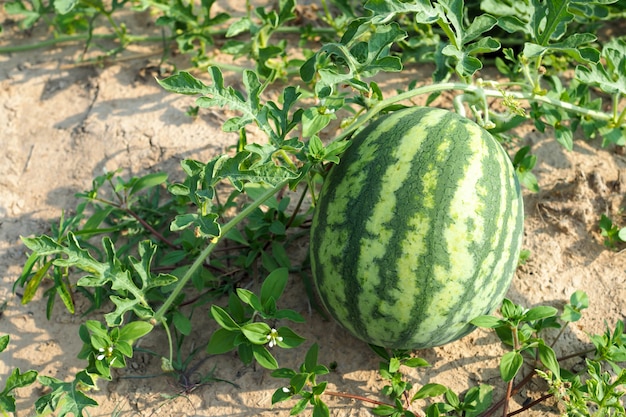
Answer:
(400, 222)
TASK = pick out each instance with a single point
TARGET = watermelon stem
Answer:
(495, 91)
(242, 215)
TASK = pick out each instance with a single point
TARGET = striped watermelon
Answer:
(417, 230)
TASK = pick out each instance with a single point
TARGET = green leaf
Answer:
(112, 271)
(310, 360)
(239, 26)
(66, 398)
(274, 285)
(610, 75)
(511, 311)
(249, 298)
(479, 25)
(256, 333)
(384, 410)
(488, 322)
(280, 395)
(31, 16)
(572, 46)
(19, 380)
(540, 312)
(429, 390)
(290, 338)
(148, 181)
(223, 318)
(415, 362)
(33, 283)
(510, 365)
(385, 10)
(283, 373)
(482, 397)
(184, 83)
(549, 20)
(182, 323)
(134, 330)
(315, 119)
(394, 364)
(264, 357)
(452, 398)
(206, 226)
(4, 342)
(320, 409)
(64, 6)
(548, 359)
(14, 381)
(222, 341)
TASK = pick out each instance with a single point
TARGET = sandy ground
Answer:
(61, 125)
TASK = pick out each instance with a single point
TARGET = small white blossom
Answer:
(105, 353)
(286, 390)
(273, 338)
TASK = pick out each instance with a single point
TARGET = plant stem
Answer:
(487, 92)
(158, 316)
(531, 404)
(151, 229)
(509, 387)
(356, 397)
(163, 321)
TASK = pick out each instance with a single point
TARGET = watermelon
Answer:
(417, 230)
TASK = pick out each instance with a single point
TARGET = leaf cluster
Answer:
(240, 330)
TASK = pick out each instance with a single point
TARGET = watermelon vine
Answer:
(161, 251)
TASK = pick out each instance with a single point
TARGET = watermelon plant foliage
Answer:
(161, 256)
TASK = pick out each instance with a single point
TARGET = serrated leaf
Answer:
(206, 226)
(239, 25)
(184, 83)
(571, 46)
(19, 380)
(66, 398)
(31, 16)
(609, 76)
(479, 25)
(549, 20)
(4, 342)
(385, 10)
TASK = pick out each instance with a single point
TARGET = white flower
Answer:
(273, 338)
(105, 353)
(286, 390)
